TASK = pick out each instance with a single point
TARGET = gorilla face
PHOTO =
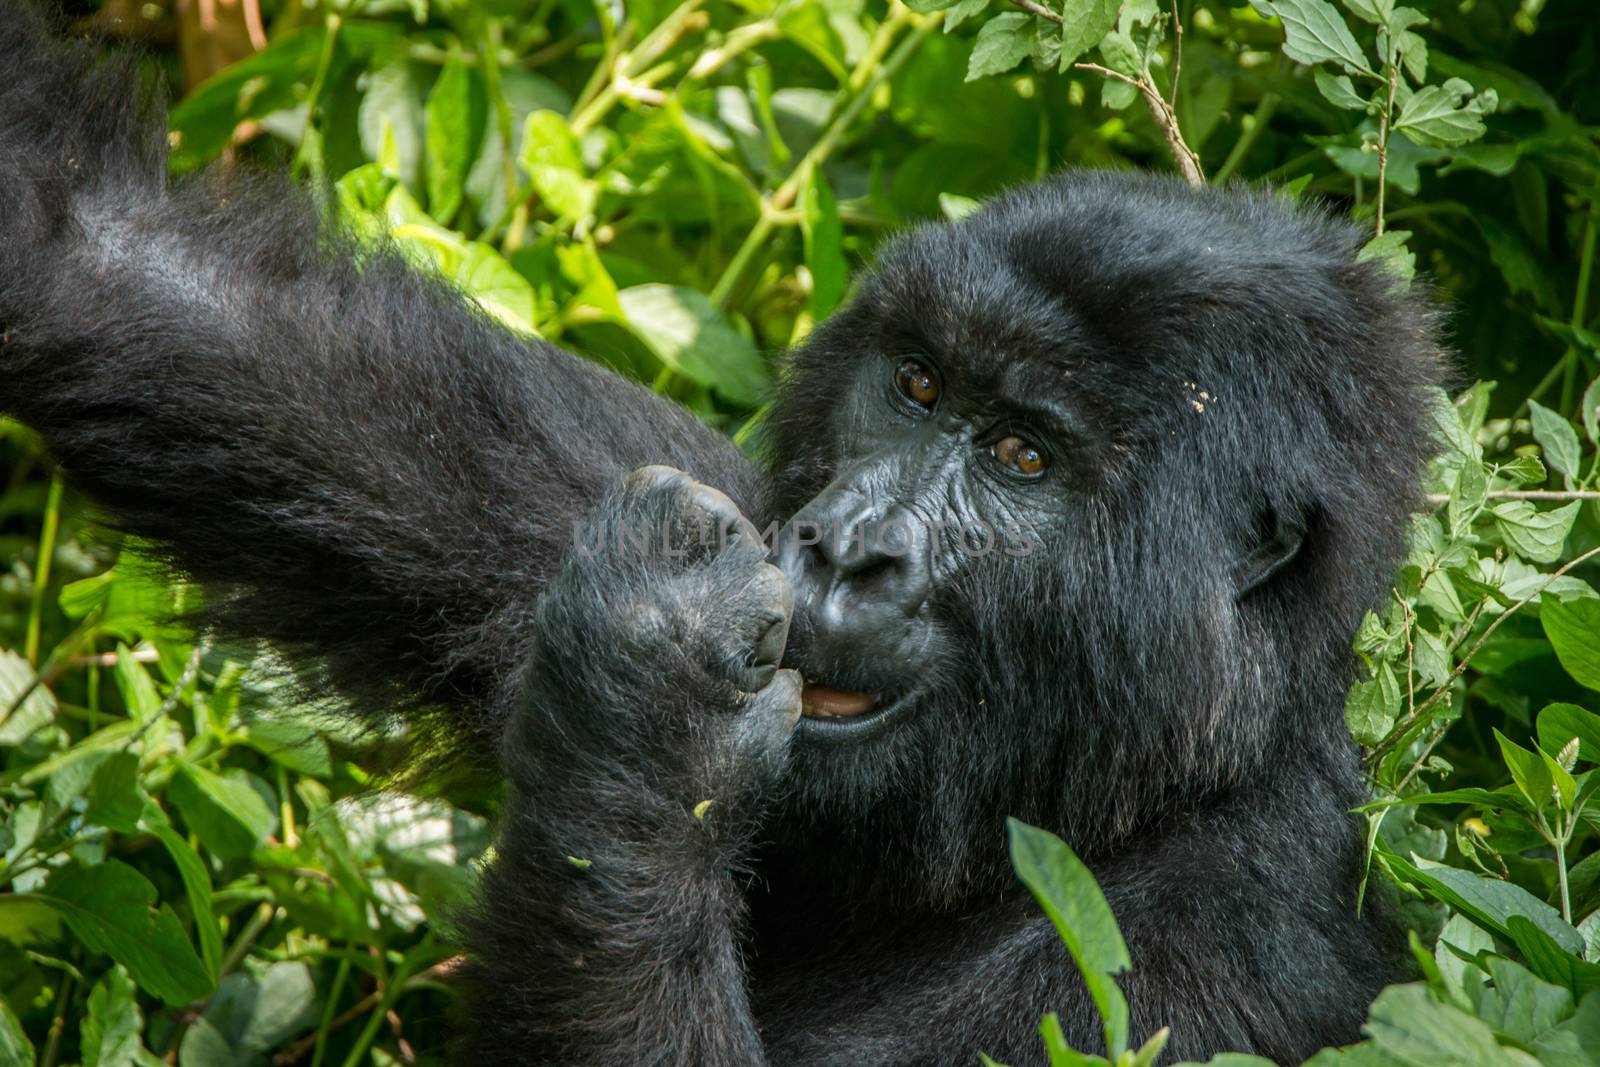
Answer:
(1068, 501)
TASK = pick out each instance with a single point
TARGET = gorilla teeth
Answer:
(825, 702)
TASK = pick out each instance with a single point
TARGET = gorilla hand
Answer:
(658, 654)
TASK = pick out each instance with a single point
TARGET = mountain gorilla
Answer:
(1081, 499)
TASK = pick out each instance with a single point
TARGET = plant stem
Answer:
(1265, 108)
(773, 207)
(309, 155)
(41, 570)
(1527, 494)
(1383, 144)
(1560, 845)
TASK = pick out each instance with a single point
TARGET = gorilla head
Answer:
(1089, 492)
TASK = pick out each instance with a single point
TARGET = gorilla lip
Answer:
(825, 702)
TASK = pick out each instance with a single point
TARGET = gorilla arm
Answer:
(379, 476)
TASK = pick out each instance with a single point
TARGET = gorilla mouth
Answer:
(826, 702)
(832, 716)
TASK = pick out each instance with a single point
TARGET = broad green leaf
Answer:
(15, 1048)
(251, 1014)
(1558, 724)
(1376, 12)
(1408, 1023)
(138, 689)
(196, 884)
(110, 1032)
(1442, 116)
(1315, 33)
(451, 139)
(1372, 706)
(1573, 627)
(1489, 902)
(1524, 470)
(1591, 411)
(228, 815)
(1533, 534)
(1389, 248)
(1338, 90)
(1083, 24)
(689, 334)
(36, 709)
(961, 11)
(1002, 43)
(1528, 770)
(928, 7)
(1549, 960)
(823, 235)
(291, 742)
(1558, 439)
(111, 908)
(554, 165)
(1068, 893)
(115, 799)
(1119, 53)
(391, 119)
(955, 208)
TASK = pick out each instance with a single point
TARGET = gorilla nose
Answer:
(856, 564)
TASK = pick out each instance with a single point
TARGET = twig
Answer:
(1526, 494)
(1165, 117)
(1177, 56)
(1038, 9)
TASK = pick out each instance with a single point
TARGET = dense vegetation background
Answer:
(192, 872)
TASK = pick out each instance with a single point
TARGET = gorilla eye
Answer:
(1020, 456)
(917, 382)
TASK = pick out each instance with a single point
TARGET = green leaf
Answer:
(1389, 248)
(251, 1014)
(1056, 1047)
(138, 689)
(1573, 627)
(1524, 470)
(1533, 534)
(1119, 53)
(1549, 960)
(823, 235)
(1488, 902)
(689, 334)
(450, 139)
(961, 11)
(1558, 724)
(196, 885)
(115, 799)
(226, 813)
(110, 1033)
(36, 710)
(1376, 12)
(1002, 43)
(111, 909)
(1409, 1024)
(1338, 90)
(1591, 411)
(1068, 893)
(15, 1048)
(955, 208)
(551, 159)
(1083, 24)
(1442, 116)
(1528, 770)
(1558, 439)
(1315, 33)
(1372, 706)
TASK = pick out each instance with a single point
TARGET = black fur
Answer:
(379, 479)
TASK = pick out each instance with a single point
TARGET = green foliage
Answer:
(194, 870)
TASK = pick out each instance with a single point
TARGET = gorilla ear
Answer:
(1281, 535)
